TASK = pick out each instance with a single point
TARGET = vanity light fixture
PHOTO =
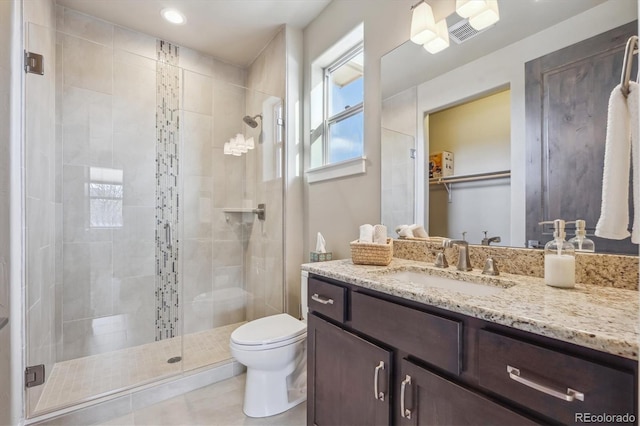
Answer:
(441, 40)
(481, 13)
(173, 16)
(423, 24)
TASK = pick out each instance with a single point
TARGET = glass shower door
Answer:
(102, 152)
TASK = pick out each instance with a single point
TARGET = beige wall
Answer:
(338, 207)
(478, 135)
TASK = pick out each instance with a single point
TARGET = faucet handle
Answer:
(464, 235)
(490, 267)
(441, 259)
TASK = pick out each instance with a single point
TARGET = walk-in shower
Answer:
(133, 257)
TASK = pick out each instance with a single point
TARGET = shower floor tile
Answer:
(80, 379)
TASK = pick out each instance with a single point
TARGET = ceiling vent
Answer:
(461, 31)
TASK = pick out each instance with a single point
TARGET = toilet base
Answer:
(266, 393)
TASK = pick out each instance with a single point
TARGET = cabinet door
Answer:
(428, 399)
(344, 373)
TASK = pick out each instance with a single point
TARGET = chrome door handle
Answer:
(322, 299)
(376, 393)
(404, 412)
(570, 395)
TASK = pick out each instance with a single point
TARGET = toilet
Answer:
(273, 349)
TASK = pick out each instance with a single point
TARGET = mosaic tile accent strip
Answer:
(167, 197)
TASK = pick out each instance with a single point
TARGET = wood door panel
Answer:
(567, 95)
(343, 369)
(434, 400)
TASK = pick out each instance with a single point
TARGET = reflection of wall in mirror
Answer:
(397, 165)
(478, 133)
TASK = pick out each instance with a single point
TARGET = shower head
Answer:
(251, 121)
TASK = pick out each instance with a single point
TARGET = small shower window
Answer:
(106, 193)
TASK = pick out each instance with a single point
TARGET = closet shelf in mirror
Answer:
(448, 180)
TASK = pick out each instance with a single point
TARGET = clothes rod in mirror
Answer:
(448, 180)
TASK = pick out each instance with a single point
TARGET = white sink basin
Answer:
(465, 287)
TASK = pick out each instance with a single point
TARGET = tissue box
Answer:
(440, 164)
(320, 257)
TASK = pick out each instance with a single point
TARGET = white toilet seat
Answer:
(269, 333)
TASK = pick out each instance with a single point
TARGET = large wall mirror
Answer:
(471, 100)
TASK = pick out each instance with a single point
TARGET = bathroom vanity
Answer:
(385, 350)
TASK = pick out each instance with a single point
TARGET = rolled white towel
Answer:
(366, 233)
(419, 231)
(404, 231)
(380, 234)
(614, 211)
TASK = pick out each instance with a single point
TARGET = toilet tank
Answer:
(304, 304)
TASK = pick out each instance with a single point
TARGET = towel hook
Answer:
(630, 50)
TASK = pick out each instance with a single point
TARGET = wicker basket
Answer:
(372, 254)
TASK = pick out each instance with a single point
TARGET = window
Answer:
(105, 198)
(340, 136)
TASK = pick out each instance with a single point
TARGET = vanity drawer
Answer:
(429, 337)
(555, 384)
(327, 299)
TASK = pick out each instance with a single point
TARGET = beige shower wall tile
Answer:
(197, 144)
(134, 42)
(87, 65)
(84, 26)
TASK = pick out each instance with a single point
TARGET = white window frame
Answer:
(353, 166)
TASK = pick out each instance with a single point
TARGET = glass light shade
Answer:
(469, 8)
(227, 148)
(441, 41)
(423, 24)
(250, 143)
(487, 17)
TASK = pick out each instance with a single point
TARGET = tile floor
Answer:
(82, 378)
(219, 404)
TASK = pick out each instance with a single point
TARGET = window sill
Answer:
(345, 168)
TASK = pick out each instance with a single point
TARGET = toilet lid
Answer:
(272, 329)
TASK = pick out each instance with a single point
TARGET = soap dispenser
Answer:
(559, 258)
(580, 242)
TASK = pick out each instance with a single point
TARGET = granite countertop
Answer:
(597, 317)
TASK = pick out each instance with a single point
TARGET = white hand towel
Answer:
(366, 233)
(614, 212)
(633, 105)
(380, 234)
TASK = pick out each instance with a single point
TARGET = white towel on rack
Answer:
(614, 211)
(633, 105)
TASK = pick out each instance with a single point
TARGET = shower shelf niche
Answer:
(246, 214)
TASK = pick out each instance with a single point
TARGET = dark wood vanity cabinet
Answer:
(375, 359)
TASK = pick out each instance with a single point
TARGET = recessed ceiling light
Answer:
(173, 16)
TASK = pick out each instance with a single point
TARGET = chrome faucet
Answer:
(464, 263)
(487, 241)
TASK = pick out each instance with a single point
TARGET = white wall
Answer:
(9, 124)
(337, 207)
(506, 67)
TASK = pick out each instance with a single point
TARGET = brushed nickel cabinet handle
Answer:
(404, 412)
(322, 299)
(376, 393)
(570, 395)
